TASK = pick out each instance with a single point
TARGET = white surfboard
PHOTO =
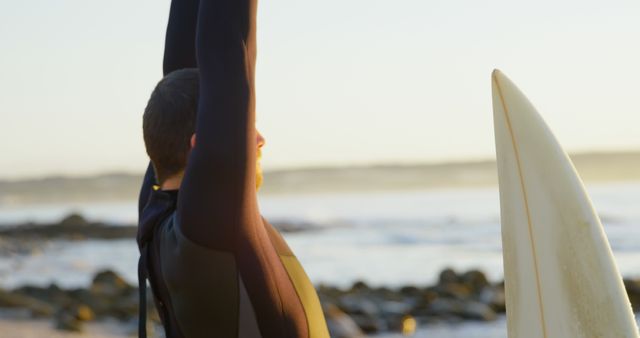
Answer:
(560, 276)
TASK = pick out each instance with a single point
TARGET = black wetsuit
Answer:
(216, 267)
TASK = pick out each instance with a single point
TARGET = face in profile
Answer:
(259, 143)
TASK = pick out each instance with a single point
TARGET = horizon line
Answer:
(319, 166)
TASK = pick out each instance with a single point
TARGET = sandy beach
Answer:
(30, 328)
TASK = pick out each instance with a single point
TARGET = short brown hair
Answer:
(169, 121)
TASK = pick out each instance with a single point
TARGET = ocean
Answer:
(384, 238)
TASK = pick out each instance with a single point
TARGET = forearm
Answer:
(180, 40)
(179, 53)
(226, 52)
(218, 190)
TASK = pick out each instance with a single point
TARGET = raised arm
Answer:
(218, 192)
(180, 41)
(179, 53)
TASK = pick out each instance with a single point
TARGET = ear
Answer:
(193, 141)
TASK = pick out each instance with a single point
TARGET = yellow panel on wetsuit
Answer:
(304, 288)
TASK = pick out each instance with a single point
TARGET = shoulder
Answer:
(278, 242)
(158, 212)
(176, 248)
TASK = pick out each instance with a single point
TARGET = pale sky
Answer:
(339, 81)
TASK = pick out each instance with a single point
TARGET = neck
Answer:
(172, 183)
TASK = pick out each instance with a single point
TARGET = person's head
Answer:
(169, 125)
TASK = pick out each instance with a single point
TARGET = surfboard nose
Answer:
(511, 106)
(496, 73)
(560, 276)
(504, 90)
(516, 121)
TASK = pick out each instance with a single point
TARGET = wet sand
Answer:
(23, 328)
(29, 328)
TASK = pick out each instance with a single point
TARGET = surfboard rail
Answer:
(561, 279)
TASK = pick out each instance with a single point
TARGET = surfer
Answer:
(216, 267)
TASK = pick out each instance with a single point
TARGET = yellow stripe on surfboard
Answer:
(505, 109)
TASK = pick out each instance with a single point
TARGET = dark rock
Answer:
(109, 283)
(410, 291)
(71, 227)
(494, 297)
(444, 306)
(68, 322)
(396, 308)
(633, 290)
(455, 290)
(74, 220)
(350, 312)
(369, 324)
(353, 304)
(422, 307)
(111, 296)
(52, 294)
(478, 311)
(340, 325)
(102, 304)
(461, 309)
(76, 227)
(329, 293)
(127, 307)
(72, 316)
(386, 293)
(447, 276)
(14, 300)
(78, 311)
(475, 279)
(428, 296)
(359, 286)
